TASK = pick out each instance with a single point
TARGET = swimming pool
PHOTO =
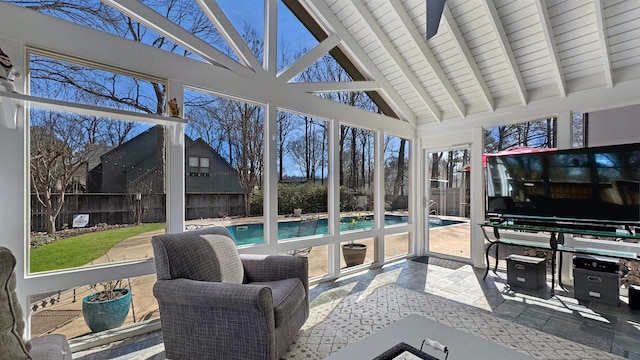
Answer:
(435, 222)
(254, 233)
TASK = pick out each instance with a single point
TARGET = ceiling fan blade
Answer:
(434, 13)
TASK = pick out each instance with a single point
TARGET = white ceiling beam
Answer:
(309, 58)
(547, 29)
(419, 41)
(22, 26)
(325, 15)
(328, 87)
(271, 36)
(467, 56)
(88, 109)
(382, 37)
(505, 47)
(148, 17)
(229, 33)
(604, 43)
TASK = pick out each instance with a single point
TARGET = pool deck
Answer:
(64, 316)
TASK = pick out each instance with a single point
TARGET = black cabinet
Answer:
(590, 285)
(526, 271)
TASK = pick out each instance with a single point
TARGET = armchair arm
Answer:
(263, 268)
(213, 294)
(211, 320)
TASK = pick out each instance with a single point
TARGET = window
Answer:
(198, 166)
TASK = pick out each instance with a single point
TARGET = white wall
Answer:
(614, 126)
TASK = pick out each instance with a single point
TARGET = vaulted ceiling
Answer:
(489, 58)
(486, 56)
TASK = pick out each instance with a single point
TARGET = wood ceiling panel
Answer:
(574, 52)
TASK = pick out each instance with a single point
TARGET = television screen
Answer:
(591, 184)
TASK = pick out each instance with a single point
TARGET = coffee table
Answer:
(413, 329)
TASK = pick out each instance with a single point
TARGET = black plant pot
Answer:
(354, 254)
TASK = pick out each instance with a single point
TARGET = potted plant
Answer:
(108, 307)
(353, 253)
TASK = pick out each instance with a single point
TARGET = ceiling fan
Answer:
(434, 13)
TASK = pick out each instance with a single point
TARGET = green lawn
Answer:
(83, 249)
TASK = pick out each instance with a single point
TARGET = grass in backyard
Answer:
(83, 249)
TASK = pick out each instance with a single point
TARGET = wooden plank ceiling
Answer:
(487, 55)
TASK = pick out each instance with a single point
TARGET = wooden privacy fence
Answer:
(129, 208)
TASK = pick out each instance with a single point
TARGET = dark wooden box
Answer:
(526, 271)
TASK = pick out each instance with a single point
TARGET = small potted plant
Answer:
(353, 253)
(108, 307)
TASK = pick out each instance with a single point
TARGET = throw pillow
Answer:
(230, 266)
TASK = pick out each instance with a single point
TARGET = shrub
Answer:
(309, 197)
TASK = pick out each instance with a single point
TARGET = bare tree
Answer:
(72, 81)
(307, 150)
(247, 147)
(57, 155)
(399, 182)
(284, 128)
(541, 133)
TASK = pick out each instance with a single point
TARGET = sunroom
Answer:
(265, 116)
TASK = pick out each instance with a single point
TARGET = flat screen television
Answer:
(598, 185)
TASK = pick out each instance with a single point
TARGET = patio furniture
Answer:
(12, 324)
(307, 227)
(216, 304)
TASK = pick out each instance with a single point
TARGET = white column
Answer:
(271, 36)
(333, 195)
(175, 167)
(417, 213)
(564, 132)
(477, 197)
(270, 186)
(15, 219)
(378, 194)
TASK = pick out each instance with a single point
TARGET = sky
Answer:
(290, 30)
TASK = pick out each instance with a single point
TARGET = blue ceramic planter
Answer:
(106, 315)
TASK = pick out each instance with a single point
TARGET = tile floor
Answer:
(614, 329)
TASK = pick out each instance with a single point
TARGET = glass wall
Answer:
(356, 172)
(448, 208)
(396, 180)
(95, 182)
(97, 186)
(302, 163)
(396, 194)
(228, 135)
(60, 312)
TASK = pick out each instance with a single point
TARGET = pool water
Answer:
(254, 233)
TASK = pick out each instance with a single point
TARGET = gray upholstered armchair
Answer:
(12, 345)
(216, 304)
